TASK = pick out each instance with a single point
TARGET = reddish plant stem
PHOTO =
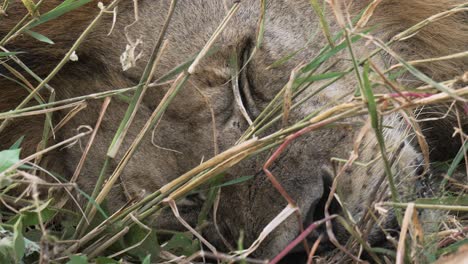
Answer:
(410, 94)
(278, 152)
(298, 239)
(278, 185)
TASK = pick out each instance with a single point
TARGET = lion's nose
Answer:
(316, 213)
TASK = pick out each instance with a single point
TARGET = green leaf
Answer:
(39, 37)
(30, 218)
(18, 240)
(78, 260)
(147, 260)
(181, 244)
(148, 239)
(323, 22)
(63, 8)
(17, 143)
(421, 76)
(261, 26)
(384, 251)
(8, 158)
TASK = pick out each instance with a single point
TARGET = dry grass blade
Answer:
(105, 104)
(422, 61)
(354, 155)
(417, 232)
(64, 103)
(430, 100)
(368, 13)
(9, 115)
(314, 249)
(418, 74)
(287, 100)
(280, 218)
(108, 243)
(404, 229)
(209, 163)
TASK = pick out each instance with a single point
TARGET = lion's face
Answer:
(207, 106)
(205, 119)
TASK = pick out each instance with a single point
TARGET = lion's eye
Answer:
(245, 86)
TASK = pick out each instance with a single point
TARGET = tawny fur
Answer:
(444, 37)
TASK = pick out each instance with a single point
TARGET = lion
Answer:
(205, 118)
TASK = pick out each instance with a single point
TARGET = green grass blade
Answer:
(372, 108)
(39, 37)
(6, 54)
(63, 8)
(327, 55)
(456, 161)
(319, 77)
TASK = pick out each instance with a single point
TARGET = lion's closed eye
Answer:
(247, 90)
